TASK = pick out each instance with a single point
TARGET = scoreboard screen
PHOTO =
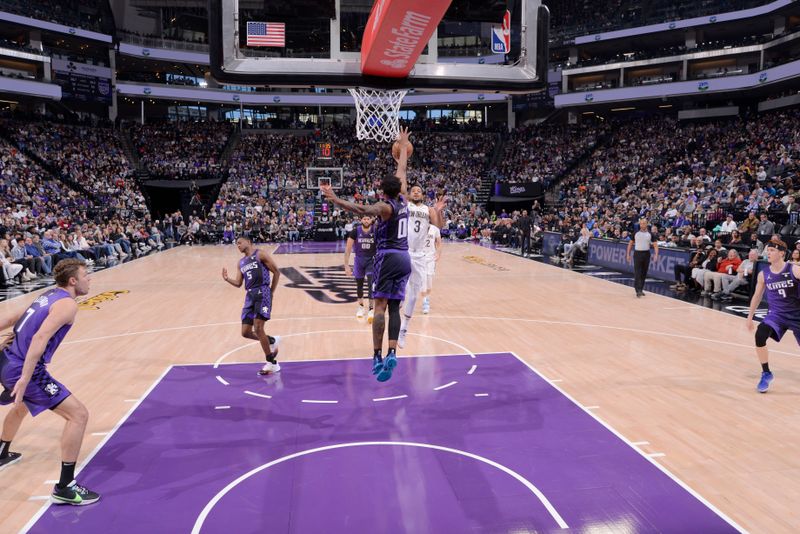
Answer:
(324, 150)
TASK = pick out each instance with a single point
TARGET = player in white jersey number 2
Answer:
(420, 219)
(433, 251)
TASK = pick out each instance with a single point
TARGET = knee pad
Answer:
(763, 333)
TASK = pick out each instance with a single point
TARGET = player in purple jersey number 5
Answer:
(38, 332)
(780, 283)
(254, 272)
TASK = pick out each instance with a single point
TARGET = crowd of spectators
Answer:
(178, 36)
(88, 14)
(87, 155)
(572, 18)
(543, 153)
(182, 150)
(723, 188)
(266, 192)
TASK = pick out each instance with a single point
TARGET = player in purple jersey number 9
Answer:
(780, 282)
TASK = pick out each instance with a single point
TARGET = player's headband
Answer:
(776, 245)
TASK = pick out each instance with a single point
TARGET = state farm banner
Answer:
(612, 254)
(396, 34)
(521, 190)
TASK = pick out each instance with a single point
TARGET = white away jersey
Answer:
(430, 240)
(419, 220)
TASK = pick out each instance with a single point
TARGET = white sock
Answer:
(410, 303)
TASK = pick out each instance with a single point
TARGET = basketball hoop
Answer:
(377, 113)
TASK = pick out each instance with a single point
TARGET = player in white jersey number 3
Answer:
(420, 218)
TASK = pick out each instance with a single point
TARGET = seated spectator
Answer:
(697, 258)
(726, 270)
(706, 267)
(744, 275)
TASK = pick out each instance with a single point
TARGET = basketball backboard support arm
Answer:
(229, 65)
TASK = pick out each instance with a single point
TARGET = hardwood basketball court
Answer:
(676, 380)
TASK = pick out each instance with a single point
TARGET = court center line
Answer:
(447, 317)
(189, 327)
(607, 327)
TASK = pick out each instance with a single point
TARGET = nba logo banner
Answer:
(501, 37)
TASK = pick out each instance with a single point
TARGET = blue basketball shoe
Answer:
(763, 384)
(377, 365)
(389, 363)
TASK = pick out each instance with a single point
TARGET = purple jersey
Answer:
(783, 292)
(29, 324)
(393, 234)
(254, 272)
(364, 245)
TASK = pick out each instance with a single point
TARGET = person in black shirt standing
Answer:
(524, 225)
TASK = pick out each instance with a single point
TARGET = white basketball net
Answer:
(377, 113)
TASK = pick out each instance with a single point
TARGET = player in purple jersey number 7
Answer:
(38, 332)
(781, 283)
(254, 272)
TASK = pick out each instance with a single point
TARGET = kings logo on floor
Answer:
(325, 284)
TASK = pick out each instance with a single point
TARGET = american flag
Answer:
(266, 34)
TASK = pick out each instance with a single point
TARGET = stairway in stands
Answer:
(140, 172)
(486, 189)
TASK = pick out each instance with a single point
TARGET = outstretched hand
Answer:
(441, 202)
(404, 135)
(327, 191)
(225, 274)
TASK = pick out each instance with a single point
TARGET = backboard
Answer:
(321, 51)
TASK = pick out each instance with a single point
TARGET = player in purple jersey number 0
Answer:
(392, 265)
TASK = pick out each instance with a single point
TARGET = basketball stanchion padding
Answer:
(377, 113)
